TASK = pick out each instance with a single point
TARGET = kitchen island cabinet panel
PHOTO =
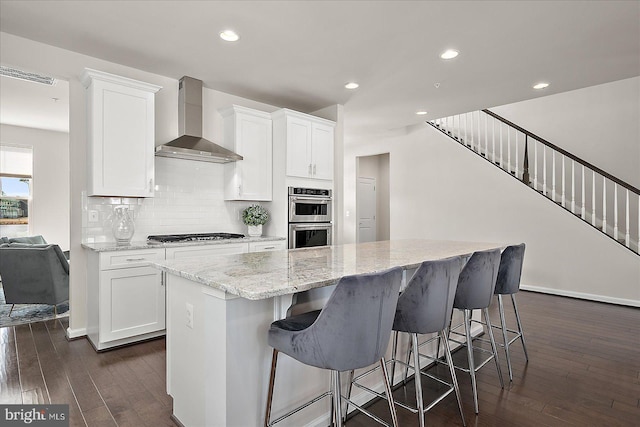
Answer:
(121, 135)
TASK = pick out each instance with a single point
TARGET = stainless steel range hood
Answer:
(190, 144)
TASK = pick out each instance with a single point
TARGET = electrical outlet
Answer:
(93, 216)
(189, 316)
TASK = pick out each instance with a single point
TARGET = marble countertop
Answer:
(143, 244)
(262, 275)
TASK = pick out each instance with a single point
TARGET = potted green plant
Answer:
(255, 216)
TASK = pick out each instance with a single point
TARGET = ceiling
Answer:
(299, 54)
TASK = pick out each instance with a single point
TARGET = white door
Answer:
(366, 208)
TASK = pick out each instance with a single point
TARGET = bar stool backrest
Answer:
(426, 303)
(353, 329)
(477, 280)
(510, 271)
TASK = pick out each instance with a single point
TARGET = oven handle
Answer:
(318, 226)
(318, 200)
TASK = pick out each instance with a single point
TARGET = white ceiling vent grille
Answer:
(23, 75)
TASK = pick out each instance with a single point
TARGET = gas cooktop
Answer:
(198, 237)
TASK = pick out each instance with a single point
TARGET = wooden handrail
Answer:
(565, 153)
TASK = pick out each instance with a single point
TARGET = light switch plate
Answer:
(94, 216)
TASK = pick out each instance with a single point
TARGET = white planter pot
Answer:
(255, 230)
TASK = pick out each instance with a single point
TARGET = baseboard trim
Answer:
(74, 334)
(581, 295)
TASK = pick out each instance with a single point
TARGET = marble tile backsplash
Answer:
(189, 198)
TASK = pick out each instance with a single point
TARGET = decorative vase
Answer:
(123, 226)
(255, 230)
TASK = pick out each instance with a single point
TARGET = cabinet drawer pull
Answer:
(269, 247)
(136, 259)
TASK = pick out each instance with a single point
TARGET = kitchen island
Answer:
(219, 310)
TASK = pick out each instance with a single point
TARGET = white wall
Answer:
(600, 124)
(441, 190)
(49, 215)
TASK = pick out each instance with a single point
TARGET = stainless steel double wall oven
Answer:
(310, 215)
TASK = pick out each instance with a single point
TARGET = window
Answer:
(16, 166)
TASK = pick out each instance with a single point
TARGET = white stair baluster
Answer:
(573, 186)
(508, 149)
(627, 224)
(501, 162)
(486, 135)
(493, 140)
(583, 211)
(459, 128)
(615, 211)
(466, 138)
(544, 170)
(563, 183)
(535, 164)
(593, 198)
(553, 175)
(517, 158)
(604, 205)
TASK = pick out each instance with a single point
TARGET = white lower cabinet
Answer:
(126, 297)
(132, 302)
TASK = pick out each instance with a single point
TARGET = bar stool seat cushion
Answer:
(350, 332)
(298, 322)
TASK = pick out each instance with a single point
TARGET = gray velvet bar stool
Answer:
(352, 331)
(508, 283)
(476, 284)
(424, 307)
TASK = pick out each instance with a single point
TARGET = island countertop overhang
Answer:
(262, 275)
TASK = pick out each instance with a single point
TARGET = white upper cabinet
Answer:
(309, 142)
(248, 133)
(121, 135)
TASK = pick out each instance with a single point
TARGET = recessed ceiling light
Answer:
(229, 36)
(421, 113)
(540, 85)
(449, 54)
(352, 85)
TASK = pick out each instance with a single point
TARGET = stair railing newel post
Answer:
(525, 163)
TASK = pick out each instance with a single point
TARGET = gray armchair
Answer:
(34, 274)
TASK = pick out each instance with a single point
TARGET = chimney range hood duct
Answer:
(190, 144)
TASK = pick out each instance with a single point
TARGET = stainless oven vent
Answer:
(24, 75)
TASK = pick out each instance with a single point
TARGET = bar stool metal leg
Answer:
(452, 370)
(493, 345)
(417, 378)
(337, 397)
(394, 353)
(349, 388)
(472, 368)
(387, 386)
(505, 338)
(515, 309)
(272, 379)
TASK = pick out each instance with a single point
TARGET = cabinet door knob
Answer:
(151, 185)
(314, 168)
(310, 173)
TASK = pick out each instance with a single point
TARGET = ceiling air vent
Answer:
(23, 75)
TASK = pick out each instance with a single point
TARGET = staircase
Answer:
(603, 201)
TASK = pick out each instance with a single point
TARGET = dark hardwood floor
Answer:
(584, 370)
